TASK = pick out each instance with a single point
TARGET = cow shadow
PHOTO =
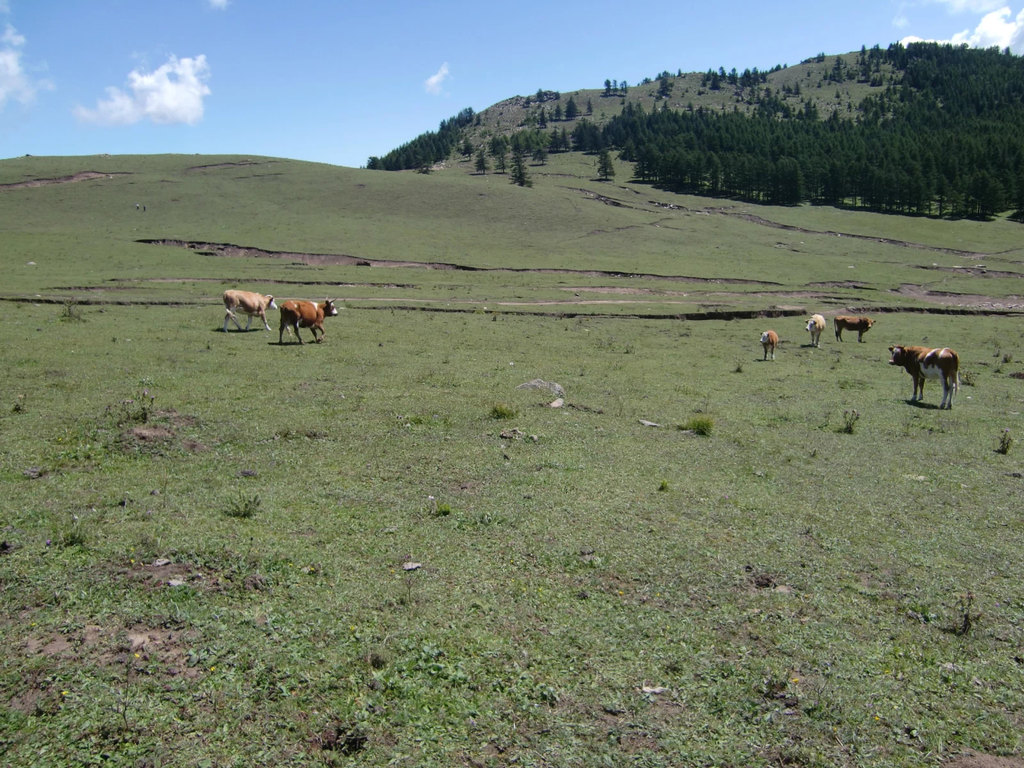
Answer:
(923, 405)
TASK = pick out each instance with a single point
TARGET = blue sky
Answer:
(337, 81)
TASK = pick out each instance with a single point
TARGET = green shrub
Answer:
(244, 507)
(502, 411)
(699, 425)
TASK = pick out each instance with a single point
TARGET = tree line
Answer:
(943, 135)
(945, 139)
(427, 148)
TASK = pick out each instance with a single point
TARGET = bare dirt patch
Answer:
(317, 259)
(976, 760)
(964, 300)
(158, 434)
(82, 176)
(162, 649)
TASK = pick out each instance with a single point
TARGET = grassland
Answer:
(381, 550)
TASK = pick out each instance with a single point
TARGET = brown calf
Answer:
(924, 363)
(305, 314)
(769, 340)
(852, 323)
(247, 303)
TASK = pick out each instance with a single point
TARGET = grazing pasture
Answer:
(381, 549)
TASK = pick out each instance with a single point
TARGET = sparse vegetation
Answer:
(1005, 442)
(699, 425)
(503, 411)
(71, 312)
(850, 419)
(244, 506)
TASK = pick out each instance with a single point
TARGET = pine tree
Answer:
(605, 167)
(519, 175)
(481, 162)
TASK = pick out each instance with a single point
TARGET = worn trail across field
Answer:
(942, 302)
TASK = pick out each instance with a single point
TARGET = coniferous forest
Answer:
(943, 137)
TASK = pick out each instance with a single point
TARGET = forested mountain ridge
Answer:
(923, 129)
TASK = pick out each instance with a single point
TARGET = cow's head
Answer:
(896, 355)
(868, 322)
(270, 302)
(329, 309)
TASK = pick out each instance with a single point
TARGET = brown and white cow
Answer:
(305, 314)
(248, 303)
(815, 326)
(852, 323)
(924, 363)
(769, 340)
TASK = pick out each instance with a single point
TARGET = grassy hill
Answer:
(925, 129)
(537, 499)
(569, 231)
(806, 82)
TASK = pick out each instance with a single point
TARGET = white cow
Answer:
(248, 303)
(815, 326)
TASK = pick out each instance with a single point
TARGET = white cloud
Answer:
(173, 93)
(435, 81)
(219, 4)
(15, 83)
(969, 6)
(997, 29)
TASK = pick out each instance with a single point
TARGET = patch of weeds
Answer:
(501, 411)
(967, 378)
(300, 434)
(420, 420)
(439, 509)
(71, 313)
(19, 404)
(739, 367)
(966, 616)
(921, 613)
(1005, 442)
(133, 410)
(244, 507)
(699, 425)
(663, 486)
(74, 534)
(850, 419)
(343, 738)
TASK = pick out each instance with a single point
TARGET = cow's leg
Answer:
(263, 317)
(229, 314)
(248, 322)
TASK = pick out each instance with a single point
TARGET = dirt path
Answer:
(83, 176)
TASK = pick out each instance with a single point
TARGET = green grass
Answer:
(220, 550)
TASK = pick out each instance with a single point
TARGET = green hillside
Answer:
(474, 239)
(925, 129)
